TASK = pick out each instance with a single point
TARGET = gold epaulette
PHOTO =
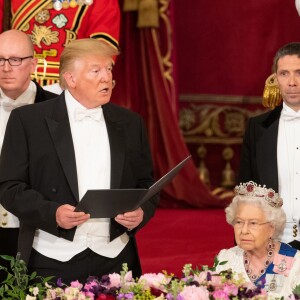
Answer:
(271, 94)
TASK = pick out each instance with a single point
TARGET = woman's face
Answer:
(251, 228)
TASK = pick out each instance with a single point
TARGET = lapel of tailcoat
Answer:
(116, 136)
(60, 132)
(267, 149)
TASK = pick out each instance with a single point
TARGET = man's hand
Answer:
(67, 218)
(131, 219)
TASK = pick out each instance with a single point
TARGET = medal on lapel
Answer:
(57, 5)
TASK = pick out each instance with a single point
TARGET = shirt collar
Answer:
(27, 97)
(72, 105)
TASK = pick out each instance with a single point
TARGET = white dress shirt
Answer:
(8, 220)
(288, 160)
(92, 154)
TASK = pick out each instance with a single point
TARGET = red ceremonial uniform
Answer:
(51, 30)
(1, 15)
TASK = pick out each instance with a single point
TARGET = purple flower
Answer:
(125, 296)
(208, 276)
(59, 282)
(105, 280)
(169, 297)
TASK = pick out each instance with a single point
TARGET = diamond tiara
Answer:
(251, 189)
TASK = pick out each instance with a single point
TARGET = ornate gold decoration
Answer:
(271, 94)
(46, 53)
(44, 34)
(228, 175)
(222, 127)
(213, 123)
(65, 4)
(222, 193)
(130, 5)
(203, 171)
(26, 27)
(73, 3)
(70, 36)
(49, 5)
(148, 14)
(42, 16)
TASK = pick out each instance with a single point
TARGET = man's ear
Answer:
(70, 80)
(34, 65)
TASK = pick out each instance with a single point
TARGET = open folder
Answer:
(110, 203)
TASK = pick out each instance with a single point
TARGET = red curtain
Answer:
(227, 47)
(145, 83)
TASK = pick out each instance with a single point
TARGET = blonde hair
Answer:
(81, 48)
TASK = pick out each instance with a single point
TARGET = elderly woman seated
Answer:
(258, 221)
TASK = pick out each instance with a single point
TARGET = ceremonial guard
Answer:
(53, 24)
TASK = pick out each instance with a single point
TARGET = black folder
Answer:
(109, 203)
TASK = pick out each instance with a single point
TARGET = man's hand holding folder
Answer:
(123, 204)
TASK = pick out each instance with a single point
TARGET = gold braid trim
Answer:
(148, 12)
(271, 94)
(130, 5)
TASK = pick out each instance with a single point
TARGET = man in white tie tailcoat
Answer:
(16, 89)
(55, 151)
(271, 147)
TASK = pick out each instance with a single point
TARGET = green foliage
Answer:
(18, 284)
(296, 290)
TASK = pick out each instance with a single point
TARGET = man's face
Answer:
(288, 77)
(90, 81)
(14, 80)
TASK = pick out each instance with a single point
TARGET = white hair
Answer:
(275, 215)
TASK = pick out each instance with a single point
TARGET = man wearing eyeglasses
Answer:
(16, 89)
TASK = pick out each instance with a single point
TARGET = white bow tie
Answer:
(9, 106)
(289, 115)
(94, 113)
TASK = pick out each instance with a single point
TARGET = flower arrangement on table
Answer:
(195, 284)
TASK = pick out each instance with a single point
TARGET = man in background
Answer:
(76, 142)
(271, 148)
(16, 89)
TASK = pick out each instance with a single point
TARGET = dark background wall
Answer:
(226, 47)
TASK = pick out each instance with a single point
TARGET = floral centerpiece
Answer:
(200, 283)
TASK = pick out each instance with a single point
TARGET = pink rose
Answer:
(219, 294)
(153, 280)
(230, 289)
(115, 280)
(194, 293)
(76, 284)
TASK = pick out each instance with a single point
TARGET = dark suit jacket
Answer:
(38, 170)
(42, 95)
(259, 150)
